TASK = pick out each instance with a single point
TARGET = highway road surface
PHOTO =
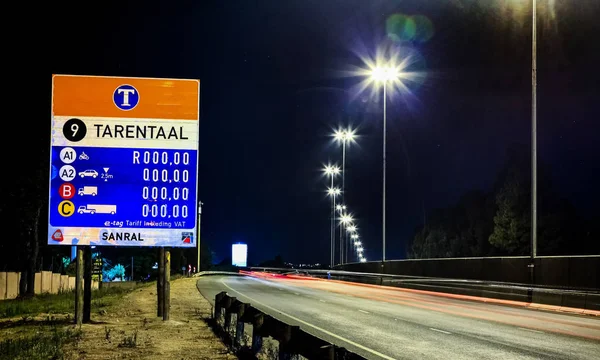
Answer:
(388, 323)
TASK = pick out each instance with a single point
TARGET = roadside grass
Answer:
(60, 303)
(42, 345)
(39, 334)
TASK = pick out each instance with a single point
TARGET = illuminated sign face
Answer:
(124, 161)
(239, 254)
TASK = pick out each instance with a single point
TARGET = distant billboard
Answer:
(239, 254)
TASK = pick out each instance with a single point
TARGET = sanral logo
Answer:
(126, 97)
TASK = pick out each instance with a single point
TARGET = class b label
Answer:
(126, 97)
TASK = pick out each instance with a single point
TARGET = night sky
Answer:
(273, 87)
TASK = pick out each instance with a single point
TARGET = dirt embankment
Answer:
(131, 329)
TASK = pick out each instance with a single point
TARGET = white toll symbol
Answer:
(68, 155)
(67, 173)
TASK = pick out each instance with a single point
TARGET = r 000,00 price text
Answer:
(164, 211)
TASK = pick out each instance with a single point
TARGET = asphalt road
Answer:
(383, 323)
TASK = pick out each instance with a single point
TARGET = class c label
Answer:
(66, 208)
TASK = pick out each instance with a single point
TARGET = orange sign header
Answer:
(122, 97)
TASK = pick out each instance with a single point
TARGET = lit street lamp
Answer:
(344, 137)
(384, 74)
(533, 137)
(342, 209)
(332, 171)
(333, 192)
(352, 230)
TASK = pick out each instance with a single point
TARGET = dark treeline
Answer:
(498, 222)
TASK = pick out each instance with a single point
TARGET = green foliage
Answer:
(130, 341)
(512, 221)
(116, 272)
(58, 303)
(458, 231)
(40, 346)
(498, 222)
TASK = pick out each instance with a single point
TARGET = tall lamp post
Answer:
(344, 137)
(333, 193)
(332, 171)
(533, 137)
(200, 203)
(352, 230)
(345, 221)
(384, 74)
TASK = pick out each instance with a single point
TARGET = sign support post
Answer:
(87, 284)
(123, 171)
(79, 287)
(167, 286)
(160, 281)
(200, 203)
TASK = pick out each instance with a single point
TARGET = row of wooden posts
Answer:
(83, 284)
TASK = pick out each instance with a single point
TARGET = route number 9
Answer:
(74, 130)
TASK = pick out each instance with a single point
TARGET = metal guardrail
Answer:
(588, 299)
(229, 320)
(391, 279)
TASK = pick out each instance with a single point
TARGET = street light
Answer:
(349, 229)
(533, 137)
(333, 192)
(332, 171)
(342, 209)
(345, 221)
(344, 137)
(384, 74)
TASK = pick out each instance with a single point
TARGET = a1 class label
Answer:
(74, 130)
(68, 155)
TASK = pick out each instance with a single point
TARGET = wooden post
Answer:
(87, 284)
(79, 287)
(160, 282)
(285, 351)
(167, 286)
(217, 311)
(239, 329)
(257, 339)
(227, 321)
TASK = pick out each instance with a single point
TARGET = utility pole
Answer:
(200, 203)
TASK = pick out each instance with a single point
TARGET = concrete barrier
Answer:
(569, 272)
(12, 285)
(45, 282)
(55, 287)
(37, 287)
(2, 285)
(64, 283)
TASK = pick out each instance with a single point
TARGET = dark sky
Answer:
(271, 92)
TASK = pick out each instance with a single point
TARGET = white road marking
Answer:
(297, 294)
(362, 347)
(535, 331)
(362, 311)
(322, 300)
(442, 331)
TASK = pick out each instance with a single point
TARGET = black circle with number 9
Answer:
(74, 129)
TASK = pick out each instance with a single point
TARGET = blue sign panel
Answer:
(126, 180)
